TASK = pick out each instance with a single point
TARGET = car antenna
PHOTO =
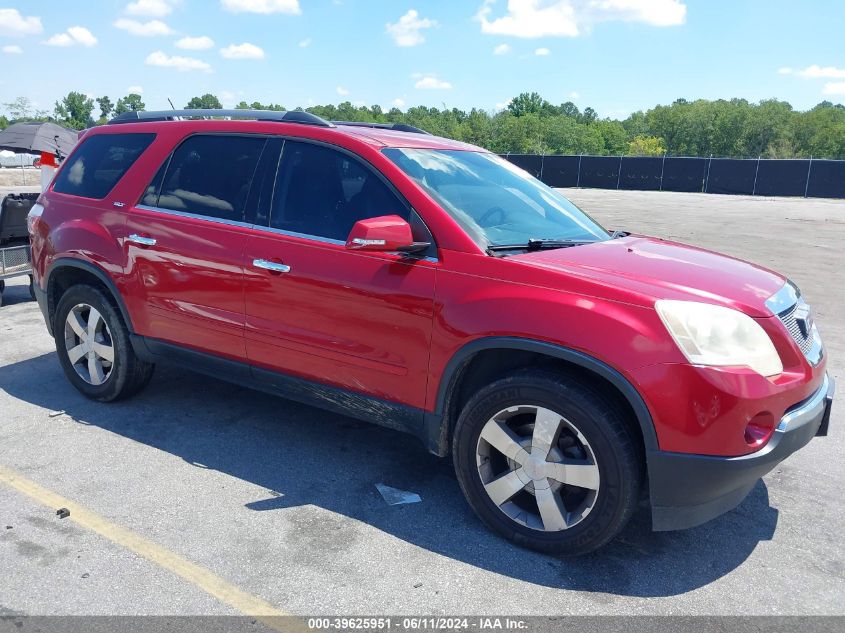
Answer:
(172, 107)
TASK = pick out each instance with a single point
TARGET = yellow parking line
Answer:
(198, 576)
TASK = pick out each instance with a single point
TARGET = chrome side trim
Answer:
(195, 216)
(808, 411)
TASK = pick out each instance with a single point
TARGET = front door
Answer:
(185, 242)
(358, 321)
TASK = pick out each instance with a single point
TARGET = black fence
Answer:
(754, 177)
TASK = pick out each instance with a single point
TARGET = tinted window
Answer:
(150, 197)
(323, 192)
(211, 175)
(494, 201)
(99, 163)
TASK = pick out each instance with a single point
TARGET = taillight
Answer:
(33, 217)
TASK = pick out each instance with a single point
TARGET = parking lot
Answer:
(197, 484)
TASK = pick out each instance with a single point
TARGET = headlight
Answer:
(713, 335)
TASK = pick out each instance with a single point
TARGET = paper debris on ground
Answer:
(395, 497)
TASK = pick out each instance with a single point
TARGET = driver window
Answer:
(323, 192)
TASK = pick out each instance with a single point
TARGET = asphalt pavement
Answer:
(200, 497)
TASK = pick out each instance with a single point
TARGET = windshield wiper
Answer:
(537, 245)
(617, 234)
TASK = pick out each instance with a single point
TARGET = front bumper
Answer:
(688, 490)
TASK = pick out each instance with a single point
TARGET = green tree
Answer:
(205, 102)
(22, 109)
(255, 105)
(642, 145)
(4, 122)
(527, 103)
(130, 103)
(106, 107)
(75, 110)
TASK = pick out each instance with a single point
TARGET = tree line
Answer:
(529, 124)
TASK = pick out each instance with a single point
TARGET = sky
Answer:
(617, 56)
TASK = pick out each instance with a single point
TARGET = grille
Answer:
(788, 318)
(14, 260)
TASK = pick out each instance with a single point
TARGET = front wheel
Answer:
(93, 346)
(547, 461)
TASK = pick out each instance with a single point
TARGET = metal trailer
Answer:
(15, 261)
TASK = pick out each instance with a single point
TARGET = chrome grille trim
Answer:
(789, 307)
(805, 343)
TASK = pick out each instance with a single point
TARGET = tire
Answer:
(113, 375)
(506, 485)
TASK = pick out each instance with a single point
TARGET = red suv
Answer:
(431, 287)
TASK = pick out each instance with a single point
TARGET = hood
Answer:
(652, 268)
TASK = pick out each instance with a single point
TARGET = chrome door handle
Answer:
(271, 266)
(141, 240)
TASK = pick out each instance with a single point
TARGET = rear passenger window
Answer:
(99, 163)
(323, 192)
(210, 175)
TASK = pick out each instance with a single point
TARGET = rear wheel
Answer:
(547, 461)
(93, 346)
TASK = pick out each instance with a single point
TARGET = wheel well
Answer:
(489, 365)
(68, 276)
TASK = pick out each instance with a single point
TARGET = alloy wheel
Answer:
(89, 344)
(537, 468)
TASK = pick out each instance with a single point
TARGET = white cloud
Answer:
(137, 90)
(159, 58)
(195, 43)
(290, 7)
(398, 103)
(151, 8)
(502, 49)
(143, 29)
(305, 43)
(818, 72)
(574, 95)
(14, 24)
(408, 30)
(342, 91)
(834, 88)
(73, 36)
(503, 104)
(542, 52)
(242, 51)
(569, 18)
(12, 50)
(431, 82)
(786, 70)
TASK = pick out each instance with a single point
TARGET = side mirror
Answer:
(387, 233)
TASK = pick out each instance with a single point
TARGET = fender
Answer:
(99, 273)
(437, 439)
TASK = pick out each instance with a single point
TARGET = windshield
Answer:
(495, 202)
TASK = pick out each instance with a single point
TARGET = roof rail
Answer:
(396, 127)
(285, 116)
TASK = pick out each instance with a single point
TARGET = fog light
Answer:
(759, 429)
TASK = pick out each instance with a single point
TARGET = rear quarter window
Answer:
(99, 163)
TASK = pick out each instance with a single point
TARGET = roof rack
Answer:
(396, 127)
(286, 116)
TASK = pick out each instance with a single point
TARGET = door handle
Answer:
(271, 266)
(140, 240)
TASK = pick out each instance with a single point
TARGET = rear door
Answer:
(359, 321)
(185, 242)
